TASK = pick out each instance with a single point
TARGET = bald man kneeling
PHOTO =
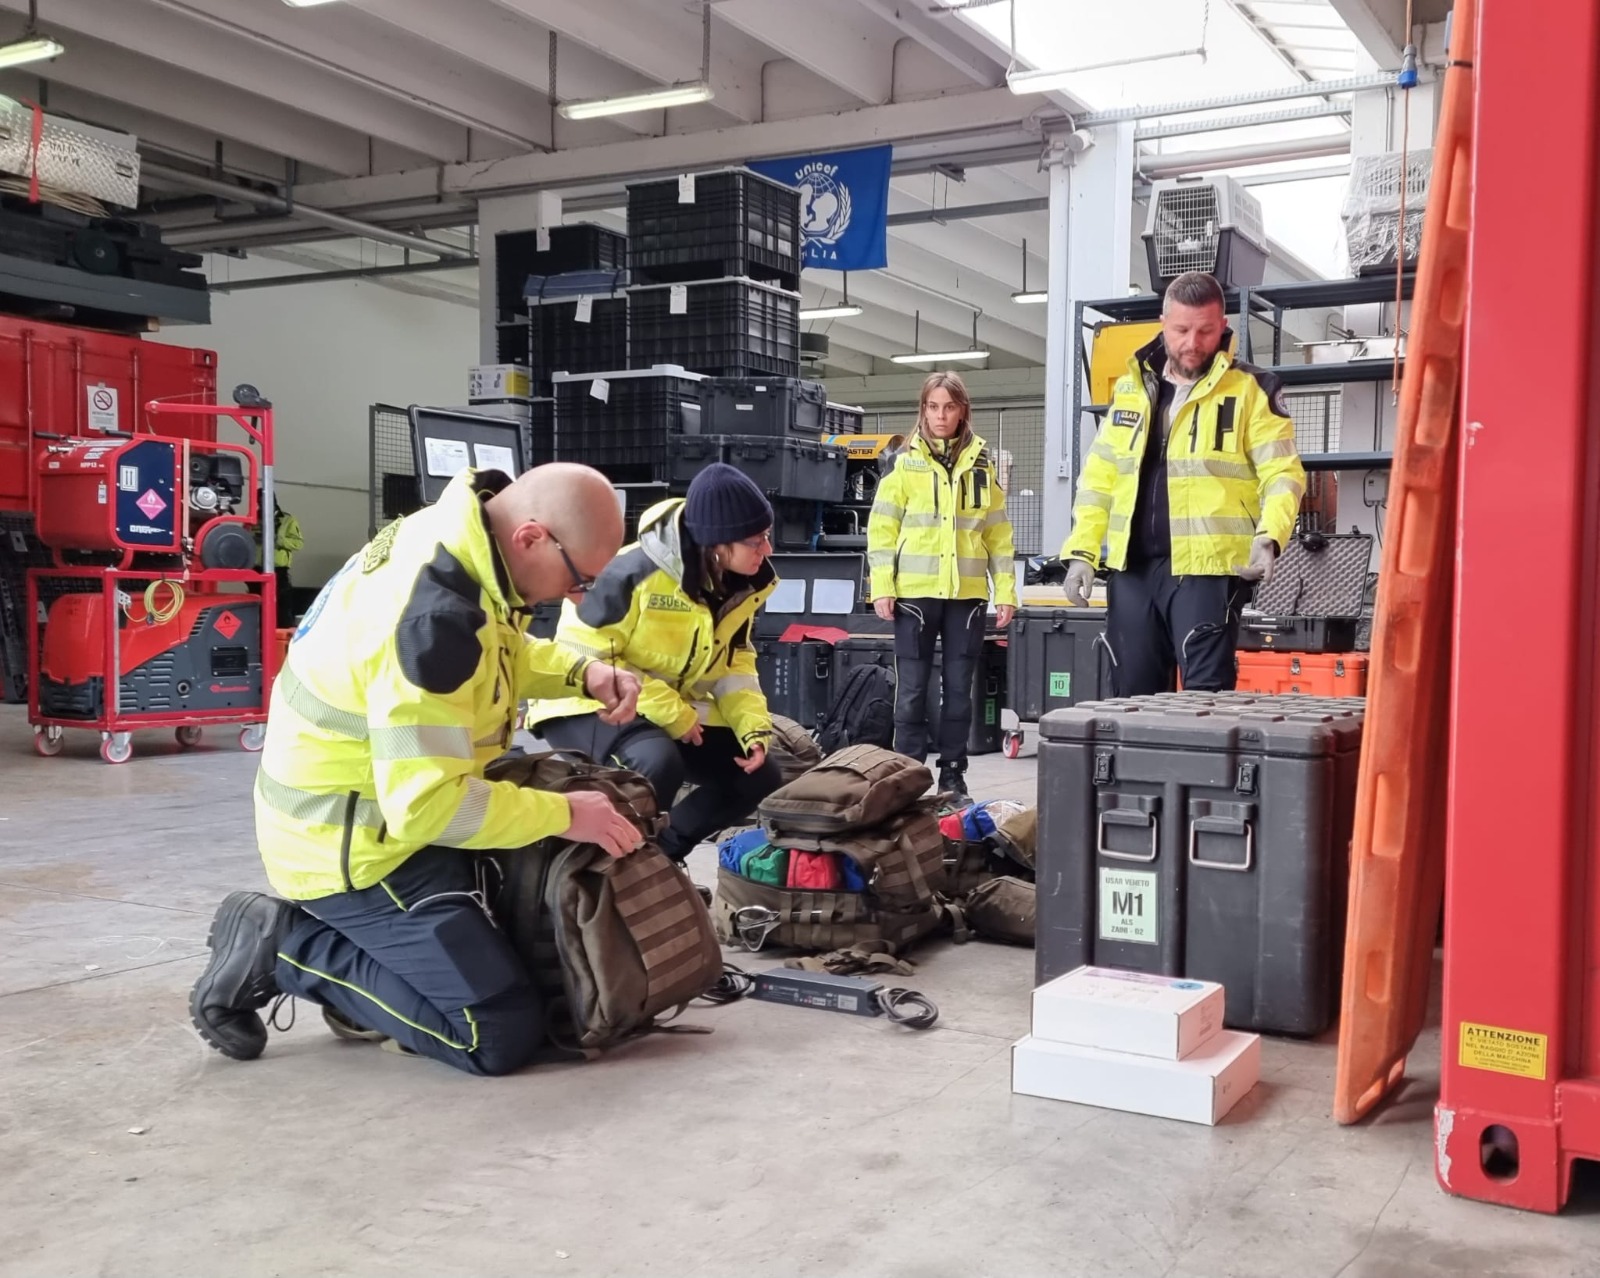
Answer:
(401, 685)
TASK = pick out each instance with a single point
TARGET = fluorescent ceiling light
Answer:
(650, 100)
(1030, 298)
(831, 312)
(30, 48)
(939, 357)
(305, 4)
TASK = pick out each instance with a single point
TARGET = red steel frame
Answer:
(257, 425)
(1522, 902)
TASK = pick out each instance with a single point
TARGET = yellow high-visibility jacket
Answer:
(401, 684)
(1232, 470)
(645, 613)
(286, 539)
(941, 533)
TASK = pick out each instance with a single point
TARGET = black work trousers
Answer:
(419, 957)
(724, 794)
(1158, 625)
(955, 626)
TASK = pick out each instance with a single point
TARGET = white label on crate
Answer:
(541, 239)
(601, 390)
(495, 457)
(744, 408)
(128, 478)
(678, 301)
(1128, 906)
(100, 493)
(19, 541)
(585, 309)
(102, 407)
(686, 188)
(446, 457)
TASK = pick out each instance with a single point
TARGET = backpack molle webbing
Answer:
(854, 789)
(612, 942)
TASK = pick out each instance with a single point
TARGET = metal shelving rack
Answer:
(1268, 303)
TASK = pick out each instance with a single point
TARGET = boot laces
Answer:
(277, 1008)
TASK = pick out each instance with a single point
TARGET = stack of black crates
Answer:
(559, 307)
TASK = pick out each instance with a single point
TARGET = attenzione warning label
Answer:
(1504, 1051)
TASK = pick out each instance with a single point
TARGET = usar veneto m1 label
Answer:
(1128, 906)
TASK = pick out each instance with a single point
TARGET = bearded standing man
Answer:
(1190, 491)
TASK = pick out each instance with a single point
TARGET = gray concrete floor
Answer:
(787, 1142)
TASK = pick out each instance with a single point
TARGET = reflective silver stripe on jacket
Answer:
(315, 809)
(1272, 449)
(971, 567)
(735, 683)
(424, 741)
(1283, 487)
(920, 519)
(1214, 526)
(880, 559)
(1101, 501)
(1209, 468)
(929, 564)
(470, 815)
(317, 712)
(888, 509)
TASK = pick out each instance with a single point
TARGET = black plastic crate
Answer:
(691, 455)
(842, 419)
(798, 469)
(511, 344)
(541, 421)
(739, 223)
(559, 342)
(795, 523)
(765, 406)
(582, 247)
(796, 678)
(627, 434)
(1058, 657)
(727, 328)
(1204, 835)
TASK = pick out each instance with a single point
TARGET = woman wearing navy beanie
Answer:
(676, 607)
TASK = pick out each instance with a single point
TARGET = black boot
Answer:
(240, 979)
(953, 781)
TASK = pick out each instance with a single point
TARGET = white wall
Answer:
(323, 353)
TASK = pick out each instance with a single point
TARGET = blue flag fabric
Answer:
(844, 206)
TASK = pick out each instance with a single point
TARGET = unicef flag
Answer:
(844, 205)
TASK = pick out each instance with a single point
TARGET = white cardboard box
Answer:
(1199, 1089)
(499, 381)
(1164, 1016)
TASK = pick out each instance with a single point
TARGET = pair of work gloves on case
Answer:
(1263, 556)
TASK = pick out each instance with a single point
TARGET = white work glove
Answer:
(1080, 581)
(1263, 558)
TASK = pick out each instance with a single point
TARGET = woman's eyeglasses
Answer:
(756, 543)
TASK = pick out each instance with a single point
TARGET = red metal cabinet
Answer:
(74, 381)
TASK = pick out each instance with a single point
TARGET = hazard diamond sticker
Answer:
(227, 624)
(151, 503)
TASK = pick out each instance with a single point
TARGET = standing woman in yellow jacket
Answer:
(676, 607)
(939, 545)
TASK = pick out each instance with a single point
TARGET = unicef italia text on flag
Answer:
(844, 205)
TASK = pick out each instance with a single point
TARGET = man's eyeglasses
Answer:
(581, 585)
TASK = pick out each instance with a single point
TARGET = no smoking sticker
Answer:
(103, 400)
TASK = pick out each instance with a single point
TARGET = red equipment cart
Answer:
(172, 624)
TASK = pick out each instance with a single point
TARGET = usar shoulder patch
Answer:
(1126, 417)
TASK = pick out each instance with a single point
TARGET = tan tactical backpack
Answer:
(613, 942)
